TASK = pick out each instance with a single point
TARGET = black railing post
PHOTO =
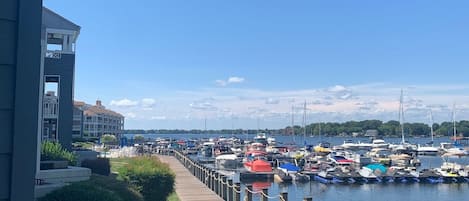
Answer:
(265, 194)
(248, 193)
(237, 193)
(229, 188)
(284, 196)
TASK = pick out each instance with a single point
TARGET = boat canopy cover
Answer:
(289, 167)
(377, 166)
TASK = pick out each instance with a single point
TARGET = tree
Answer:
(108, 139)
(139, 138)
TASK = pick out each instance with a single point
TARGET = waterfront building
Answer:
(21, 97)
(93, 121)
(58, 39)
(50, 113)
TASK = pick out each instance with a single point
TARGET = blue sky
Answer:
(171, 64)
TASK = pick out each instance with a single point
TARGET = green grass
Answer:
(117, 163)
(173, 197)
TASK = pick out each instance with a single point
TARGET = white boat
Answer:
(271, 141)
(230, 161)
(428, 149)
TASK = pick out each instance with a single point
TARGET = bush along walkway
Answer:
(188, 188)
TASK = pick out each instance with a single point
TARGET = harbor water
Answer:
(353, 192)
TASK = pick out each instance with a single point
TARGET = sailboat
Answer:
(403, 147)
(451, 149)
(428, 149)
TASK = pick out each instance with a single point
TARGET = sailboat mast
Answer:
(304, 124)
(401, 115)
(293, 122)
(431, 124)
(454, 121)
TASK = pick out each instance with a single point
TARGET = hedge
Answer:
(98, 188)
(149, 176)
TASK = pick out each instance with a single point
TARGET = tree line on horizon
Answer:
(357, 128)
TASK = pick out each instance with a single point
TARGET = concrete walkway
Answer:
(188, 187)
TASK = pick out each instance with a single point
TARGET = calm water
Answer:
(357, 192)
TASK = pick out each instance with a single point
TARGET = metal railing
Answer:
(221, 184)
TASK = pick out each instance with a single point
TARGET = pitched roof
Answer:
(50, 19)
(95, 109)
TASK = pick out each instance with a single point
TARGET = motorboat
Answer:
(227, 161)
(323, 148)
(255, 162)
(427, 150)
(451, 149)
(339, 160)
(380, 156)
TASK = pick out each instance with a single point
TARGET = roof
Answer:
(96, 110)
(50, 19)
(92, 110)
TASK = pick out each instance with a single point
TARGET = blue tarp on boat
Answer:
(289, 167)
(376, 166)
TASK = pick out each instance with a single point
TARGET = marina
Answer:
(300, 167)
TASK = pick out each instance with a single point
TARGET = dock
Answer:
(188, 187)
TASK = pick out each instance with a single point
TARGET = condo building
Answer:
(93, 121)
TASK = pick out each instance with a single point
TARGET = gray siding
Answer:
(20, 25)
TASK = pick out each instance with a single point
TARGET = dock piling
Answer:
(284, 196)
(248, 193)
(237, 193)
(224, 187)
(229, 188)
(265, 193)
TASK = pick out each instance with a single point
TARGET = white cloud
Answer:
(148, 102)
(272, 101)
(158, 117)
(221, 83)
(130, 115)
(203, 105)
(230, 80)
(235, 80)
(123, 103)
(273, 107)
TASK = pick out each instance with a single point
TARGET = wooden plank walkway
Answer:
(188, 187)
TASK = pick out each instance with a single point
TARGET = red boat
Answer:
(255, 162)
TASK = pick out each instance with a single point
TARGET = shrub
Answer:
(54, 151)
(81, 192)
(149, 176)
(98, 188)
(99, 166)
(108, 139)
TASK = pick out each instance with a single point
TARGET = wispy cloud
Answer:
(333, 103)
(230, 80)
(124, 103)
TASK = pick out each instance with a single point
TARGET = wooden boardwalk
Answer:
(188, 187)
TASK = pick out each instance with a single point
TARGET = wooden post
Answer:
(230, 190)
(237, 194)
(265, 191)
(248, 193)
(308, 199)
(284, 196)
